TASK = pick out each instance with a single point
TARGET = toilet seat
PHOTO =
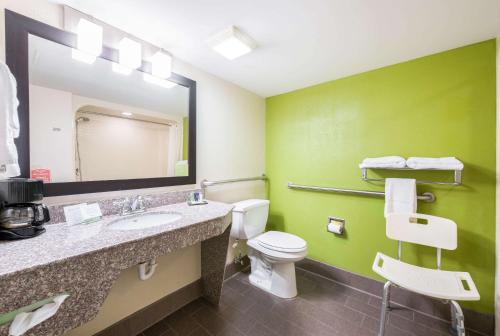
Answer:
(274, 255)
(279, 246)
(281, 242)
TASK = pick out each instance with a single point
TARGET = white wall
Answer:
(52, 130)
(497, 294)
(230, 143)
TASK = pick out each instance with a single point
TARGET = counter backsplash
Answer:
(109, 206)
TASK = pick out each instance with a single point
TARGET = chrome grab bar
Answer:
(205, 183)
(426, 197)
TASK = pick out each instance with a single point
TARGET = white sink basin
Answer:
(144, 221)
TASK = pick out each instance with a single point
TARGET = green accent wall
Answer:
(439, 105)
(185, 137)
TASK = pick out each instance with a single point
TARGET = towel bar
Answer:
(426, 197)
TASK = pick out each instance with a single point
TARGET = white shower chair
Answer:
(433, 231)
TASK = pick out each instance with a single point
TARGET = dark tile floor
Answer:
(323, 307)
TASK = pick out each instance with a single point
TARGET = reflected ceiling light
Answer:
(232, 43)
(127, 114)
(122, 70)
(89, 41)
(129, 56)
(161, 65)
(82, 56)
(158, 81)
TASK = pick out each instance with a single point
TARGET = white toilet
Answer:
(272, 254)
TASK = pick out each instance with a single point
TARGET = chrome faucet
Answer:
(137, 204)
(131, 206)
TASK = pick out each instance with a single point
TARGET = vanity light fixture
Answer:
(158, 81)
(232, 43)
(161, 65)
(129, 56)
(89, 41)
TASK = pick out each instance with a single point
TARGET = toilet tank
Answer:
(249, 218)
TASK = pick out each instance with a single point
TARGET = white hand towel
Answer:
(25, 321)
(434, 163)
(9, 124)
(384, 162)
(400, 196)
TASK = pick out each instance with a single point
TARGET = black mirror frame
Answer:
(17, 30)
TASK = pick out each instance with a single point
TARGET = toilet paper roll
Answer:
(336, 228)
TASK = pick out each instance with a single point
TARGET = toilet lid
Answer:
(281, 241)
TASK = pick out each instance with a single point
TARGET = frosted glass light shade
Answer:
(89, 37)
(130, 53)
(161, 65)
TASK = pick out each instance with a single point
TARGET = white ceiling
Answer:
(301, 42)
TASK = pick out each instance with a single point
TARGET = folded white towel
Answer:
(384, 162)
(434, 163)
(9, 124)
(400, 196)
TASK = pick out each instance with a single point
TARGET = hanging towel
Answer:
(434, 163)
(9, 124)
(384, 162)
(400, 196)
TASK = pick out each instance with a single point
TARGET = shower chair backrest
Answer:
(433, 231)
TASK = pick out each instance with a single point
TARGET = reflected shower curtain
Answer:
(174, 147)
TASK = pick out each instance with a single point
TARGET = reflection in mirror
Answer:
(91, 123)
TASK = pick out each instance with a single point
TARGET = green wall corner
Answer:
(439, 105)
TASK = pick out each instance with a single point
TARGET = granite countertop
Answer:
(85, 260)
(62, 241)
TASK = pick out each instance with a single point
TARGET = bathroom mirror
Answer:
(89, 128)
(91, 123)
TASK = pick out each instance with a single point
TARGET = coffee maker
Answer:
(20, 216)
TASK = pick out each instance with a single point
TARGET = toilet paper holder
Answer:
(335, 225)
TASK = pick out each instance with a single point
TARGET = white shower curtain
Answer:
(174, 148)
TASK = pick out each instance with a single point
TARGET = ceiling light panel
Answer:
(232, 43)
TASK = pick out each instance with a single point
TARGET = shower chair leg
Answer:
(457, 319)
(386, 298)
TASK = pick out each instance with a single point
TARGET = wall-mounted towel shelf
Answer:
(457, 175)
(426, 197)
